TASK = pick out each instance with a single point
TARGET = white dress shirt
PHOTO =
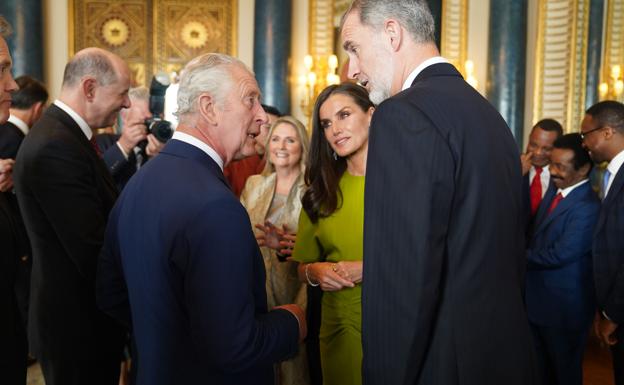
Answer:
(77, 118)
(429, 62)
(566, 191)
(193, 141)
(614, 167)
(544, 178)
(19, 123)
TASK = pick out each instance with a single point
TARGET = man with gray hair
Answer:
(189, 279)
(65, 193)
(12, 334)
(443, 241)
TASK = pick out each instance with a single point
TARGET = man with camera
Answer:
(124, 154)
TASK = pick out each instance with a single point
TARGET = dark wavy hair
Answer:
(323, 172)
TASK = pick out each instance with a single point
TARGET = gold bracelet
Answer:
(308, 277)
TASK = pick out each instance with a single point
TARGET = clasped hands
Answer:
(334, 276)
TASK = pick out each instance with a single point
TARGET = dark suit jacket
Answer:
(65, 193)
(184, 262)
(608, 249)
(120, 168)
(526, 200)
(559, 282)
(443, 241)
(10, 140)
(12, 333)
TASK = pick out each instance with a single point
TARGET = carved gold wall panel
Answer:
(454, 34)
(561, 62)
(187, 28)
(614, 41)
(121, 26)
(153, 35)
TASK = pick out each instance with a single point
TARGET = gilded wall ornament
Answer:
(194, 34)
(115, 32)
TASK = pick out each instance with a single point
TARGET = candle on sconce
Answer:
(469, 66)
(618, 87)
(311, 79)
(307, 62)
(615, 71)
(332, 62)
(603, 88)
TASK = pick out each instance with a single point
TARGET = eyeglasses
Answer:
(584, 134)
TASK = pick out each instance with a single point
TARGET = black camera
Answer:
(156, 125)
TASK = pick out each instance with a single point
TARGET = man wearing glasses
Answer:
(602, 131)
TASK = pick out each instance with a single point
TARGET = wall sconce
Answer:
(470, 77)
(614, 86)
(320, 72)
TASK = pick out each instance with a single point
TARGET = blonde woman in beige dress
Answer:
(273, 201)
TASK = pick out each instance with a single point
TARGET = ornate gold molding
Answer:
(321, 29)
(454, 33)
(561, 62)
(614, 40)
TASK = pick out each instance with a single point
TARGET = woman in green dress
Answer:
(329, 237)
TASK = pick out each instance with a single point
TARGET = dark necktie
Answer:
(535, 190)
(555, 202)
(95, 146)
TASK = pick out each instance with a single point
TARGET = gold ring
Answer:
(335, 268)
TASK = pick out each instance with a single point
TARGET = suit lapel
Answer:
(542, 209)
(57, 113)
(573, 197)
(614, 191)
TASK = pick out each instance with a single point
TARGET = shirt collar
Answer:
(569, 189)
(545, 168)
(429, 62)
(77, 118)
(616, 163)
(19, 123)
(193, 141)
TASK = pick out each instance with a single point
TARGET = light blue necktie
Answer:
(605, 183)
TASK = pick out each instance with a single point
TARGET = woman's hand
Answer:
(350, 270)
(328, 276)
(270, 235)
(287, 243)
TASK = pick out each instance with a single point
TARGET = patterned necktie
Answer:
(605, 183)
(95, 146)
(535, 190)
(555, 202)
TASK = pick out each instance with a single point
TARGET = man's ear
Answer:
(207, 108)
(37, 108)
(88, 86)
(608, 132)
(394, 32)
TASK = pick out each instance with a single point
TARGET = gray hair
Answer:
(5, 27)
(208, 73)
(92, 63)
(414, 15)
(139, 93)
